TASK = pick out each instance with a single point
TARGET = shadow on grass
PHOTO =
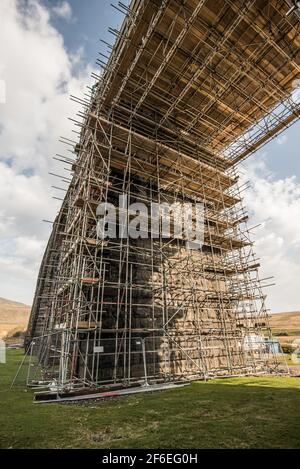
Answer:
(251, 412)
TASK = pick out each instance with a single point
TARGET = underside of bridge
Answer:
(190, 89)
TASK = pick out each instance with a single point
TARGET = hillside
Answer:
(286, 326)
(288, 321)
(13, 317)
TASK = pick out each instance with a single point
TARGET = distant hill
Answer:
(13, 317)
(286, 321)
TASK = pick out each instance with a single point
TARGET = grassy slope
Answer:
(230, 413)
(286, 326)
(13, 317)
(285, 321)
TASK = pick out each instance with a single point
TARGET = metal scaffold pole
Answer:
(189, 90)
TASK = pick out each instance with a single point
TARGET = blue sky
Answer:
(91, 20)
(63, 38)
(282, 154)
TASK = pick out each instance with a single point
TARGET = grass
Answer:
(230, 413)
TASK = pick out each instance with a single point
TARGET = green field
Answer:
(228, 413)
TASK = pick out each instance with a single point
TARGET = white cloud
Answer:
(275, 203)
(63, 10)
(281, 139)
(39, 77)
(2, 92)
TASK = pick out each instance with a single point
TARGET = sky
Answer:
(48, 50)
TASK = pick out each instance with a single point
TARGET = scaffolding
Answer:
(190, 89)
